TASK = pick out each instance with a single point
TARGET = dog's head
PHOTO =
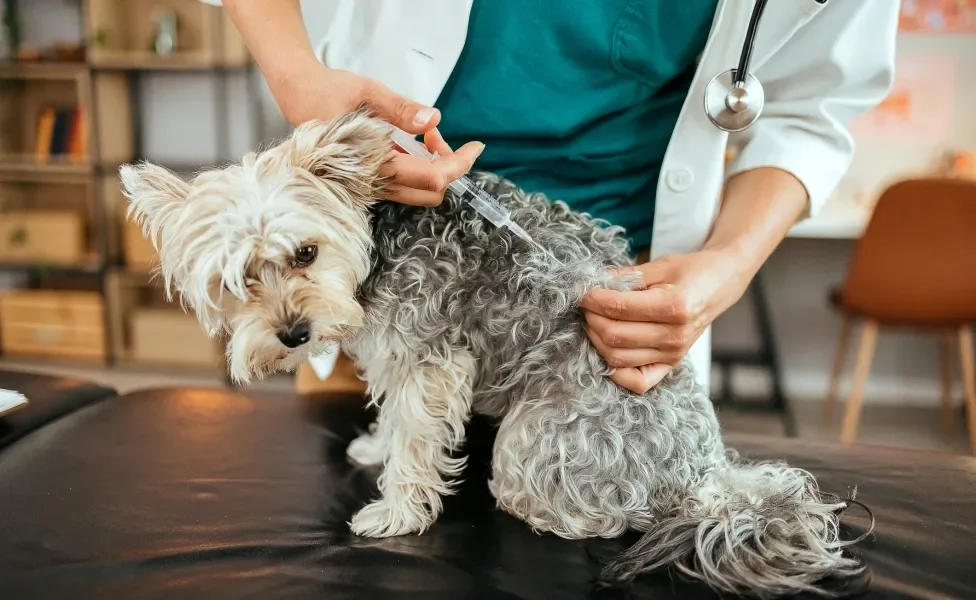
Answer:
(270, 251)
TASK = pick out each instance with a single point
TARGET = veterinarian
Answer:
(602, 104)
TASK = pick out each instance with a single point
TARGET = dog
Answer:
(445, 315)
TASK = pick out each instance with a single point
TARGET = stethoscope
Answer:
(734, 99)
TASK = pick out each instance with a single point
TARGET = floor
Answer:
(899, 426)
(902, 426)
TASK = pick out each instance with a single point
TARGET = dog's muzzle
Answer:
(297, 335)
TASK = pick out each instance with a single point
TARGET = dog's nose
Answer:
(298, 334)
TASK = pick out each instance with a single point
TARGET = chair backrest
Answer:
(916, 262)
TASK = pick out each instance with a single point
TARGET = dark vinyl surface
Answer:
(215, 494)
(49, 398)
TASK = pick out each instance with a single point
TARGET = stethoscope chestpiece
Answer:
(733, 106)
(734, 99)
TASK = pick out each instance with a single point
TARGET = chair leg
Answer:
(840, 356)
(968, 364)
(865, 354)
(946, 364)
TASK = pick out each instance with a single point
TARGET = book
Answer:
(45, 128)
(62, 129)
(11, 401)
(78, 140)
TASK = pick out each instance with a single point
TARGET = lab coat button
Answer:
(680, 179)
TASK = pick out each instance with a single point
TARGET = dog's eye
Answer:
(306, 255)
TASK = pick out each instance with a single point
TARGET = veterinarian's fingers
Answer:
(657, 304)
(631, 379)
(415, 172)
(435, 143)
(653, 374)
(408, 115)
(632, 334)
(632, 273)
(412, 196)
(419, 173)
(620, 358)
(644, 275)
(460, 162)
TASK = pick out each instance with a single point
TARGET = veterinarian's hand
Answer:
(305, 89)
(420, 182)
(325, 93)
(645, 333)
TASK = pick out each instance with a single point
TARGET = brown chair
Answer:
(914, 267)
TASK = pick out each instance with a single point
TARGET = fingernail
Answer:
(654, 374)
(423, 116)
(480, 150)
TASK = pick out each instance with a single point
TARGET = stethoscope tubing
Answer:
(745, 56)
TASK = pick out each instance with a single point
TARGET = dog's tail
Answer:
(762, 529)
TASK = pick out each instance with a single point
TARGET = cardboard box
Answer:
(169, 336)
(52, 323)
(46, 236)
(137, 250)
(343, 380)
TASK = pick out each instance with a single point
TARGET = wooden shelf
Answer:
(19, 174)
(149, 61)
(90, 265)
(44, 363)
(27, 165)
(48, 71)
(123, 33)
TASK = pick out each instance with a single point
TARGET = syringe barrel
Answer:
(479, 200)
(409, 143)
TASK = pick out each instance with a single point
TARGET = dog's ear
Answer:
(155, 197)
(347, 151)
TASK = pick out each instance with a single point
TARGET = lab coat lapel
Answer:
(781, 19)
(691, 175)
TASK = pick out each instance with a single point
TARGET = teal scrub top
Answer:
(577, 99)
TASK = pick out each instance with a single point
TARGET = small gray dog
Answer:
(288, 252)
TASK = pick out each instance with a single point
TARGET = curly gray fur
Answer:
(576, 455)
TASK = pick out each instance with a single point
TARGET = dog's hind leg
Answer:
(556, 467)
(423, 411)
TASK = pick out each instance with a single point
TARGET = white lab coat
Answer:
(821, 63)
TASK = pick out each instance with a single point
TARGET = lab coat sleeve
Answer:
(838, 66)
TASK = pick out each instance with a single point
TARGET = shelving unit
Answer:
(121, 33)
(62, 218)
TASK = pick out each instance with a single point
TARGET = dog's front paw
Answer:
(367, 450)
(385, 518)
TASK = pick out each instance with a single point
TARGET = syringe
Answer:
(481, 201)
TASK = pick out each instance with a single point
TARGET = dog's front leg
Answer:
(423, 412)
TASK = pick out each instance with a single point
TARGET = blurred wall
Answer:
(798, 276)
(800, 273)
